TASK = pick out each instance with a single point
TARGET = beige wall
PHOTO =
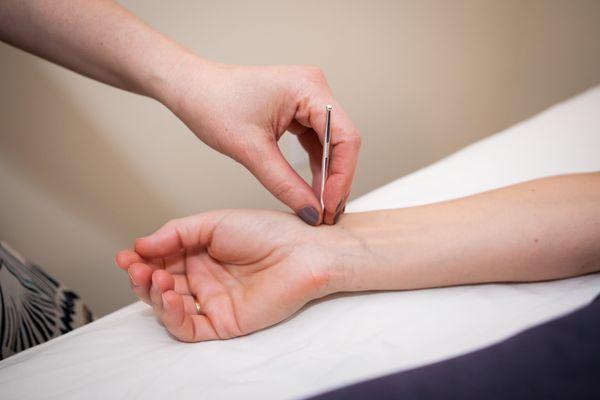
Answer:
(85, 168)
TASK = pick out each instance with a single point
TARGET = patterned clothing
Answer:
(34, 307)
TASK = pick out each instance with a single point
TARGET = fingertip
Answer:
(310, 215)
(328, 219)
(140, 274)
(337, 191)
(337, 216)
(163, 280)
(331, 217)
(126, 257)
(120, 261)
(172, 315)
(140, 278)
(171, 300)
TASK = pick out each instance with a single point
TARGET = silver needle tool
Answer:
(326, 156)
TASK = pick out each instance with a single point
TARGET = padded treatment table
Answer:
(345, 338)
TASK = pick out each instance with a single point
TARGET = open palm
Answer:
(228, 273)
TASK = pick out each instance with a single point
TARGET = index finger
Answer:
(345, 147)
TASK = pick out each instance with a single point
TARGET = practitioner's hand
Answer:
(243, 111)
(239, 111)
(247, 269)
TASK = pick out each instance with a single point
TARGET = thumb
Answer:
(178, 234)
(271, 168)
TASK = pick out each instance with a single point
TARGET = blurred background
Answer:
(85, 168)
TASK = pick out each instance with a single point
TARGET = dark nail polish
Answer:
(309, 215)
(339, 213)
(337, 216)
(339, 206)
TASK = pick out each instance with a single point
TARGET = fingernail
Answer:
(339, 206)
(339, 212)
(164, 300)
(309, 215)
(337, 216)
(131, 278)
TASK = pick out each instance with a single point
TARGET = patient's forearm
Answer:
(539, 230)
(226, 273)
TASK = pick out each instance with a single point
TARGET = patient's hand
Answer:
(247, 269)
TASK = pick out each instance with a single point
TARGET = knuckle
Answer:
(184, 235)
(355, 140)
(282, 190)
(303, 112)
(314, 74)
(172, 222)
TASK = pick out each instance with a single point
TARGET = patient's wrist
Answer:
(381, 248)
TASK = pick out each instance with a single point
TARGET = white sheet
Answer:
(338, 341)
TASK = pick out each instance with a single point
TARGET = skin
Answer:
(250, 269)
(240, 111)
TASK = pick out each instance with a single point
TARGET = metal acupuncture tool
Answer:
(326, 151)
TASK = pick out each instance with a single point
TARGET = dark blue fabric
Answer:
(556, 360)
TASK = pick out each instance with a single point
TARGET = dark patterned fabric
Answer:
(34, 306)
